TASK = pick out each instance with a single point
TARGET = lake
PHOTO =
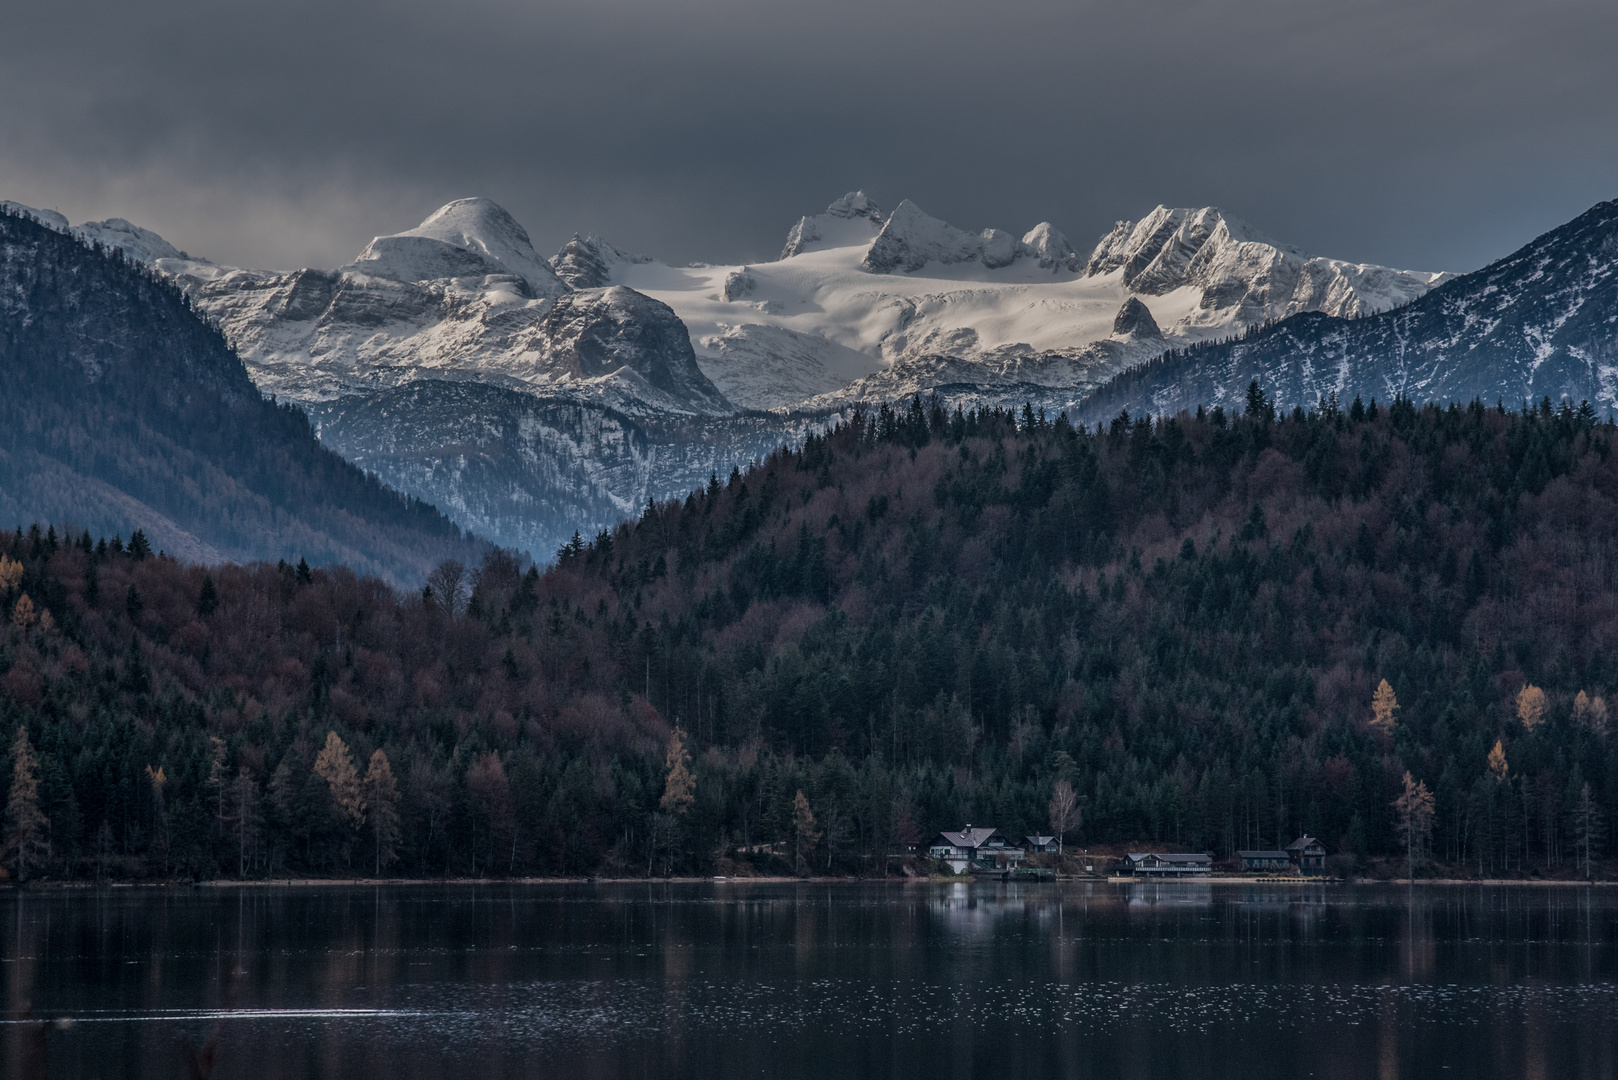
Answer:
(729, 979)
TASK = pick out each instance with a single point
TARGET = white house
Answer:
(981, 847)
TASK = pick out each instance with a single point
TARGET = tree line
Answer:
(1391, 627)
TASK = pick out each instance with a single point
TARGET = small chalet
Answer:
(1045, 845)
(1152, 864)
(979, 848)
(1265, 860)
(1308, 854)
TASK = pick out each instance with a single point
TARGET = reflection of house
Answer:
(1265, 860)
(982, 847)
(1308, 853)
(1152, 864)
(1042, 844)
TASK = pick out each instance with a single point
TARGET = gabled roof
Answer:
(971, 839)
(1040, 840)
(1304, 841)
(1177, 858)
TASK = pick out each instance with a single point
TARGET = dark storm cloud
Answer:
(1436, 134)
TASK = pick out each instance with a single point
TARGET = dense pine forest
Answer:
(124, 408)
(1390, 627)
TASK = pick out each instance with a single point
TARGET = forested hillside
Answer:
(919, 620)
(123, 409)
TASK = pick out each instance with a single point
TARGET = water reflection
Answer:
(1153, 979)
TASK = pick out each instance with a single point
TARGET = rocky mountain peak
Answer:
(465, 238)
(1049, 247)
(587, 262)
(1135, 320)
(856, 204)
(911, 238)
(618, 333)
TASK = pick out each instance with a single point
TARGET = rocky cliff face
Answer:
(617, 335)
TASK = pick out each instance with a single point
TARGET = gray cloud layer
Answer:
(1437, 134)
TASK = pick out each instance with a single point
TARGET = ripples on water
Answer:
(708, 980)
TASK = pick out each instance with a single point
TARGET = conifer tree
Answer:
(1384, 708)
(1414, 809)
(1531, 706)
(679, 786)
(382, 807)
(1497, 763)
(23, 614)
(27, 823)
(335, 765)
(805, 833)
(208, 598)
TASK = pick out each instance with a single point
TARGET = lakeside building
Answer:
(1153, 864)
(1265, 860)
(1308, 854)
(1044, 845)
(976, 848)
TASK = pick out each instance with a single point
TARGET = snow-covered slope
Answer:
(462, 296)
(857, 293)
(1542, 322)
(466, 238)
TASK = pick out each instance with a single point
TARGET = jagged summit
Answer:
(856, 204)
(465, 238)
(911, 238)
(853, 219)
(1538, 323)
(1045, 244)
(1135, 320)
(586, 262)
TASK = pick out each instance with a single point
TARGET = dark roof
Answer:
(1040, 841)
(1197, 857)
(1304, 841)
(968, 838)
(1262, 855)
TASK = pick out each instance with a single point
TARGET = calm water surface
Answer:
(839, 981)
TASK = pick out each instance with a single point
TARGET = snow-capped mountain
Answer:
(528, 397)
(1542, 322)
(461, 296)
(858, 297)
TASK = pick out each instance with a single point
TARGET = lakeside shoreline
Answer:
(305, 883)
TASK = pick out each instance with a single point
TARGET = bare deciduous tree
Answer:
(1414, 811)
(1065, 813)
(448, 585)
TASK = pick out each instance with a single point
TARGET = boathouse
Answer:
(1155, 865)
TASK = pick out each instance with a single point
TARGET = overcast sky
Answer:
(1427, 134)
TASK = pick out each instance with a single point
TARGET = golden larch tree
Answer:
(1531, 706)
(23, 615)
(10, 573)
(335, 765)
(1384, 708)
(679, 786)
(1497, 762)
